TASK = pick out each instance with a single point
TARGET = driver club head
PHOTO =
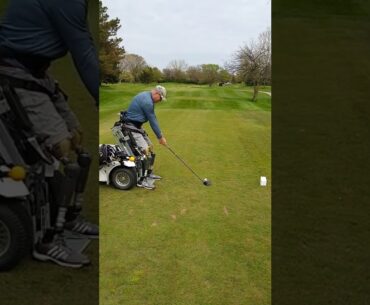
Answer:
(207, 182)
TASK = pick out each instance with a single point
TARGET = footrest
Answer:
(150, 181)
(76, 241)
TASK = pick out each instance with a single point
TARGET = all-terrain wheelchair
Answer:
(123, 164)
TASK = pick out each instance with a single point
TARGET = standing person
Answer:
(140, 111)
(33, 34)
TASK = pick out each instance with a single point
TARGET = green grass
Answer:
(184, 243)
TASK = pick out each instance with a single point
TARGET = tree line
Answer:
(135, 69)
(250, 64)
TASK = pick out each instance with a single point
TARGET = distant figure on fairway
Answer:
(140, 111)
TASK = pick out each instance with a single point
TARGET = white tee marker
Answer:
(263, 181)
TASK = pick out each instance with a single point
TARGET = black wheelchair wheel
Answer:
(123, 178)
(15, 234)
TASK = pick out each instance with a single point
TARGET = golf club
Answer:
(205, 181)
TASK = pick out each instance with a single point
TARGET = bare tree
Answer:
(133, 64)
(194, 74)
(253, 62)
(180, 65)
(176, 70)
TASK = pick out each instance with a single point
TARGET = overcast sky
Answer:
(197, 31)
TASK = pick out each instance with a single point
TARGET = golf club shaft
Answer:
(183, 162)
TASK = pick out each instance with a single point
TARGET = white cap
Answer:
(162, 91)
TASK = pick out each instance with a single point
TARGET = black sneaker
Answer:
(147, 184)
(58, 252)
(81, 226)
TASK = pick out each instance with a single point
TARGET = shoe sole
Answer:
(45, 258)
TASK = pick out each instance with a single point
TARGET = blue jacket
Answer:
(50, 29)
(141, 110)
